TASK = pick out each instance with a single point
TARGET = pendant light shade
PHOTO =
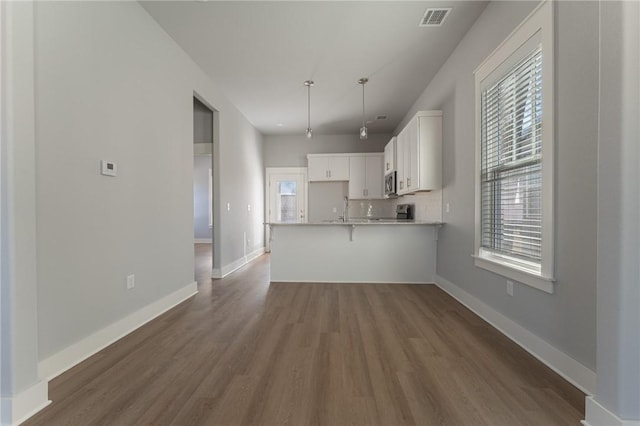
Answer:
(364, 133)
(309, 132)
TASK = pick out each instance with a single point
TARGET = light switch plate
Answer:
(108, 168)
(131, 281)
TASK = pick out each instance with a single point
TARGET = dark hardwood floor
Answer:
(243, 351)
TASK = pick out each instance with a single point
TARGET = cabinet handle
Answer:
(401, 184)
(329, 171)
(387, 166)
(408, 182)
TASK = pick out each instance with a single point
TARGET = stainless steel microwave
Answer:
(390, 185)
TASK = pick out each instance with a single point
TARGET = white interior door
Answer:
(286, 196)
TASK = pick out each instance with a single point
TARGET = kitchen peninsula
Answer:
(363, 251)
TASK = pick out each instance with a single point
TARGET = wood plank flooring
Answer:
(244, 352)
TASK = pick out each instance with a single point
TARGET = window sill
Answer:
(522, 276)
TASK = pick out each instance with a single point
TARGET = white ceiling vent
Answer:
(381, 117)
(434, 17)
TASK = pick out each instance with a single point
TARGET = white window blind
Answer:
(511, 162)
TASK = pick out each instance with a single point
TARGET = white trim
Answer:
(536, 281)
(597, 415)
(571, 370)
(60, 362)
(236, 264)
(364, 154)
(539, 21)
(26, 404)
(267, 197)
(202, 241)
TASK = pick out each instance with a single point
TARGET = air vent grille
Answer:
(434, 17)
(381, 117)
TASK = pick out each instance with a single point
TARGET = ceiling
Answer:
(260, 53)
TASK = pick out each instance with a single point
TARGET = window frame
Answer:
(539, 23)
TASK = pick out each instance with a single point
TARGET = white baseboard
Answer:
(19, 408)
(65, 359)
(236, 264)
(570, 369)
(202, 241)
(597, 415)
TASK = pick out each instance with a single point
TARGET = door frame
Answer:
(216, 228)
(269, 172)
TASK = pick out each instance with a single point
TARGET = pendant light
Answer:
(309, 132)
(364, 133)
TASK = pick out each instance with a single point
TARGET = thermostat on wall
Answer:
(109, 168)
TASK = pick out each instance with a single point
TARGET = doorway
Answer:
(203, 189)
(286, 196)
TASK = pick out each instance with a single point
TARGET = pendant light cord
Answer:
(363, 125)
(308, 106)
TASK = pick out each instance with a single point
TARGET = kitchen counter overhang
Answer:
(356, 251)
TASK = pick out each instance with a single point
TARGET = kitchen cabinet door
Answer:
(374, 176)
(338, 168)
(357, 177)
(419, 154)
(390, 156)
(400, 157)
(412, 173)
(366, 179)
(323, 168)
(318, 168)
(430, 153)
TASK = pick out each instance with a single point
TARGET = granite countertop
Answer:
(361, 221)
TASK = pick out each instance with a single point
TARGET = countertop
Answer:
(359, 221)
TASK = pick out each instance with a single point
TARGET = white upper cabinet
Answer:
(322, 168)
(390, 156)
(366, 177)
(401, 143)
(419, 153)
(374, 182)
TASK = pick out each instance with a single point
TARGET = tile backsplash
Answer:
(326, 197)
(428, 205)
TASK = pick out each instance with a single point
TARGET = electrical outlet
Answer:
(228, 207)
(510, 288)
(131, 281)
(248, 207)
(446, 208)
(335, 210)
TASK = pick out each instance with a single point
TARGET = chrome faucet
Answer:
(345, 209)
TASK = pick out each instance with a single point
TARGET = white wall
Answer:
(125, 92)
(201, 167)
(565, 319)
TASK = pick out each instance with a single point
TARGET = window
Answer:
(287, 201)
(514, 151)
